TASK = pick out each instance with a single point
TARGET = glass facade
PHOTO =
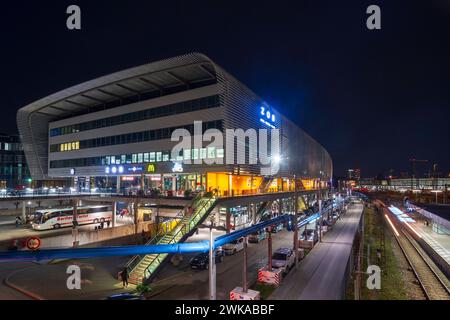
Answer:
(13, 167)
(139, 158)
(164, 111)
(135, 137)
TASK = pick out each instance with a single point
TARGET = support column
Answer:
(24, 211)
(253, 206)
(218, 217)
(174, 184)
(269, 249)
(114, 216)
(118, 185)
(244, 271)
(75, 223)
(142, 183)
(228, 220)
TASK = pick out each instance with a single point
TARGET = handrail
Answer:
(138, 258)
(182, 230)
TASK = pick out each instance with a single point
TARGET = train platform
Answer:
(440, 243)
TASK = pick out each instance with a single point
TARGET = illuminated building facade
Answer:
(116, 131)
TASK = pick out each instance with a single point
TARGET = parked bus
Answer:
(59, 218)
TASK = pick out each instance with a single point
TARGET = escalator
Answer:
(142, 268)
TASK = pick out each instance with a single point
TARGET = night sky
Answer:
(374, 99)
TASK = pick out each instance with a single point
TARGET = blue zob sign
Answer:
(267, 116)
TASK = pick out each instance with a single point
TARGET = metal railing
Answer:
(159, 235)
(180, 232)
(183, 230)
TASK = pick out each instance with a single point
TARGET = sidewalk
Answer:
(48, 282)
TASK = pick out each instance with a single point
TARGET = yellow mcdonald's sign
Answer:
(151, 168)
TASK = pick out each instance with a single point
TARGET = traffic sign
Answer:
(33, 243)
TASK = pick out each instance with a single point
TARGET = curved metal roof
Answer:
(123, 87)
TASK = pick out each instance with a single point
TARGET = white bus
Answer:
(60, 218)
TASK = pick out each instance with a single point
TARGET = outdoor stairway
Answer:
(142, 268)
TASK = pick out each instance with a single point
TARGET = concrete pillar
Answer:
(174, 184)
(218, 216)
(118, 184)
(114, 210)
(253, 208)
(24, 211)
(228, 220)
(142, 183)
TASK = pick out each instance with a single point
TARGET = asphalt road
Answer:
(7, 293)
(9, 232)
(321, 274)
(185, 283)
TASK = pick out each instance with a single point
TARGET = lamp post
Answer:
(212, 263)
(296, 221)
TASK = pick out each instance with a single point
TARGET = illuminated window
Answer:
(146, 157)
(220, 153)
(165, 157)
(203, 153)
(159, 156)
(140, 158)
(195, 154)
(134, 158)
(187, 154)
(152, 157)
(211, 152)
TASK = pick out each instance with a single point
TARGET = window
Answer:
(220, 153)
(187, 154)
(166, 157)
(152, 157)
(140, 158)
(162, 111)
(134, 158)
(195, 154)
(203, 153)
(146, 157)
(211, 152)
(159, 156)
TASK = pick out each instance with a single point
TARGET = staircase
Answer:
(141, 268)
(265, 184)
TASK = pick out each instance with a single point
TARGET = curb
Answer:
(27, 293)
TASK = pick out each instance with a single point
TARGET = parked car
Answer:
(284, 259)
(256, 237)
(201, 261)
(311, 235)
(234, 246)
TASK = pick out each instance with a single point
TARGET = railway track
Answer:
(430, 278)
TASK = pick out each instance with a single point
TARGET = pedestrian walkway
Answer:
(322, 274)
